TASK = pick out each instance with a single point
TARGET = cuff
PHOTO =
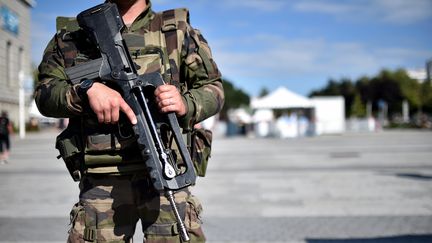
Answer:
(188, 120)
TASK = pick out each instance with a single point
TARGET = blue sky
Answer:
(299, 44)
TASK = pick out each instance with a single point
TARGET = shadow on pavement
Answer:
(393, 239)
(415, 176)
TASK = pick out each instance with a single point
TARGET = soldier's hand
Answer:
(169, 99)
(107, 104)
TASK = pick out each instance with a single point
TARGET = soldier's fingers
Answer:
(157, 91)
(162, 88)
(100, 116)
(167, 109)
(115, 114)
(107, 115)
(128, 111)
(98, 112)
(163, 96)
(166, 88)
(170, 106)
(168, 102)
(173, 105)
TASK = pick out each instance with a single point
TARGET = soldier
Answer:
(115, 189)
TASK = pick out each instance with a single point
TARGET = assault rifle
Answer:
(103, 25)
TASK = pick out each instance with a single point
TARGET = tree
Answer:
(393, 87)
(263, 92)
(358, 109)
(410, 88)
(426, 97)
(343, 88)
(234, 98)
(332, 88)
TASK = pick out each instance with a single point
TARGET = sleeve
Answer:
(205, 94)
(54, 95)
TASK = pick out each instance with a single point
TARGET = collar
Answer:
(143, 19)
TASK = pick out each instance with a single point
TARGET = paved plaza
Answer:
(364, 187)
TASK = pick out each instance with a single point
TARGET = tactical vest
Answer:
(91, 147)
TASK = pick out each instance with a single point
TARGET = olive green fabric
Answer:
(186, 62)
(110, 207)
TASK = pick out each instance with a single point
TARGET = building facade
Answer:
(15, 52)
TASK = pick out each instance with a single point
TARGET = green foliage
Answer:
(392, 87)
(358, 108)
(410, 88)
(234, 98)
(344, 88)
(263, 92)
(426, 97)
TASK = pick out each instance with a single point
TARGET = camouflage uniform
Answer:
(115, 191)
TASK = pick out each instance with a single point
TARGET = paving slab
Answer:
(364, 187)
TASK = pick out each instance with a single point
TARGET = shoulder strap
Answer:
(173, 20)
(65, 26)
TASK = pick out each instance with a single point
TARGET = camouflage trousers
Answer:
(110, 207)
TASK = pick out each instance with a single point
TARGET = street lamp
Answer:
(21, 97)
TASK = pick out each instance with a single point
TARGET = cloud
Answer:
(387, 11)
(263, 5)
(283, 58)
(401, 11)
(324, 7)
(163, 1)
(390, 11)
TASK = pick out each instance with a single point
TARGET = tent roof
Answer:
(281, 98)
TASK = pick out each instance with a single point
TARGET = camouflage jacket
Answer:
(191, 65)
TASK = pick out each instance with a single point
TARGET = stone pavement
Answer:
(370, 187)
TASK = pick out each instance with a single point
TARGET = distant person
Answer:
(5, 131)
(61, 124)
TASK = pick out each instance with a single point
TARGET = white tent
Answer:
(285, 126)
(34, 111)
(239, 116)
(281, 98)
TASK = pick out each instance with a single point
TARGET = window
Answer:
(20, 59)
(8, 64)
